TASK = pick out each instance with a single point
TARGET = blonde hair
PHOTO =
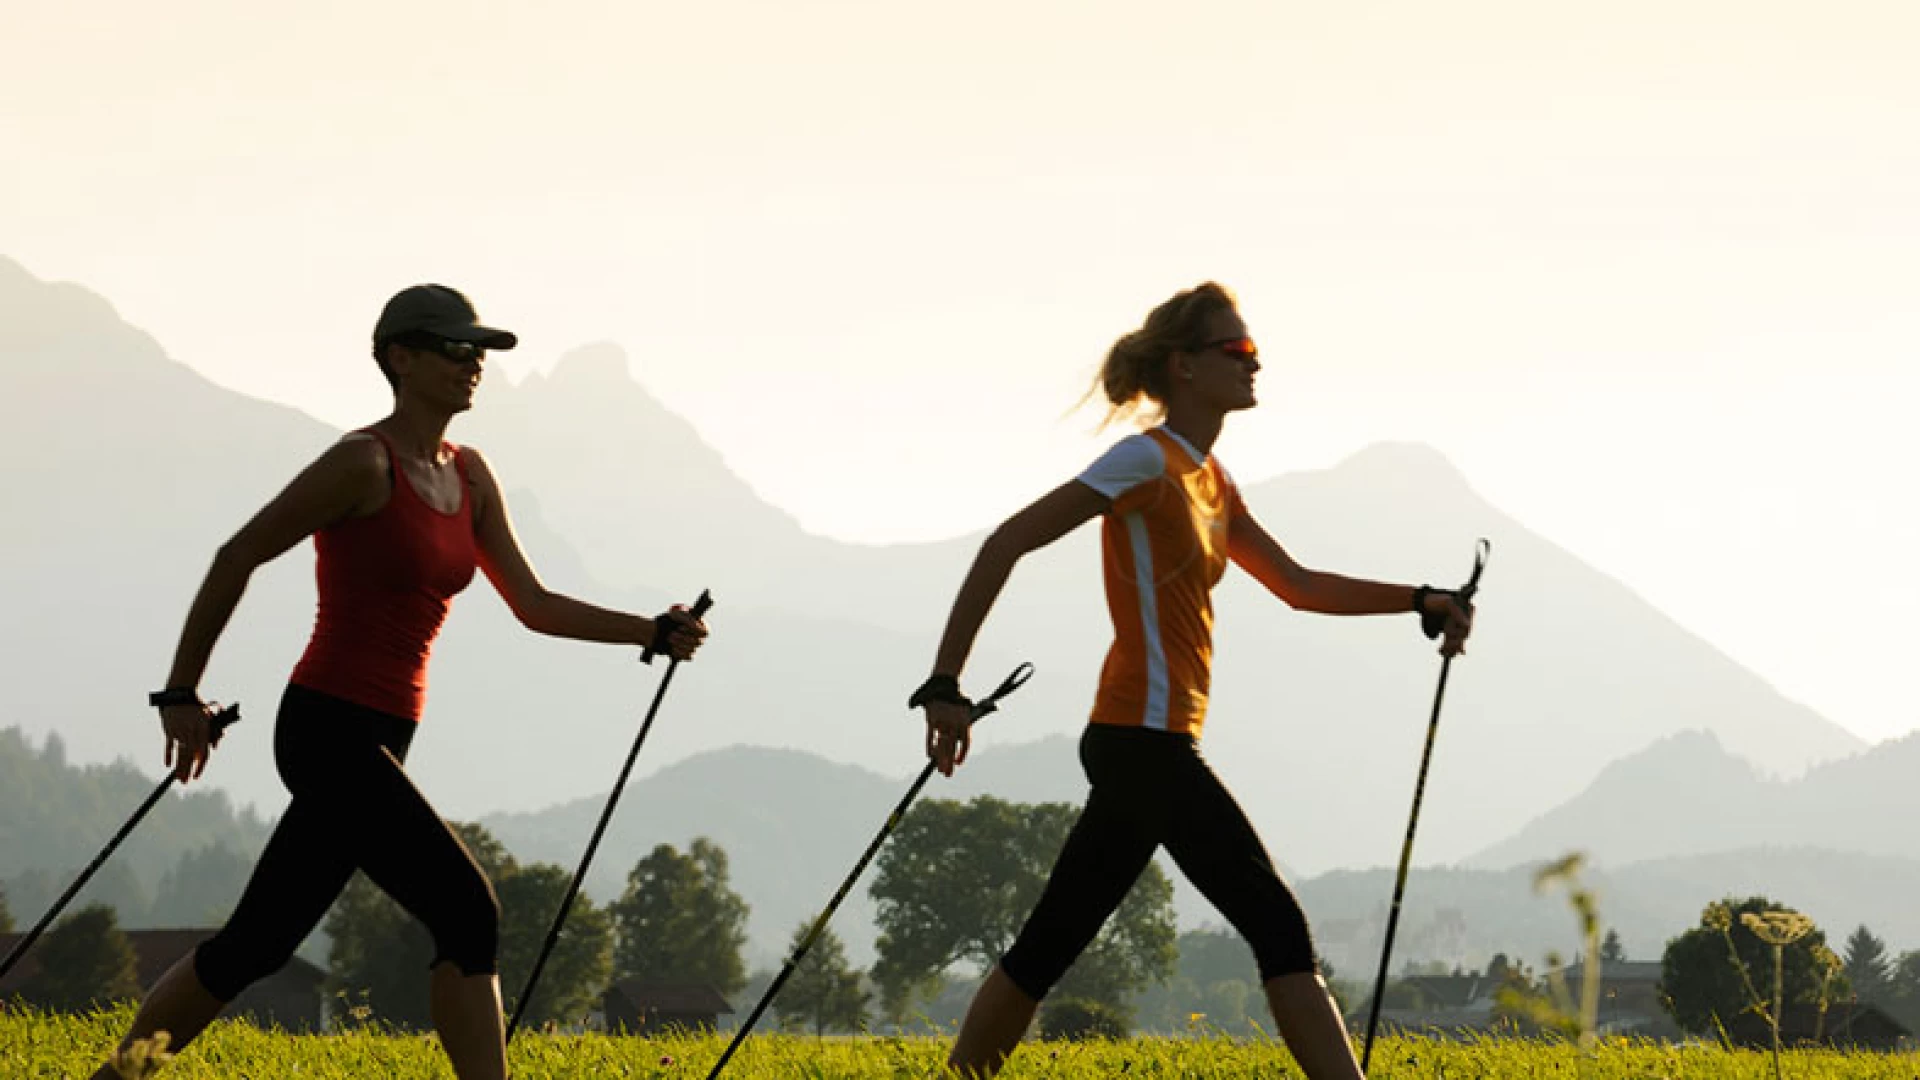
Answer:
(1135, 370)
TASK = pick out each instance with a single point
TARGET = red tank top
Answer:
(386, 581)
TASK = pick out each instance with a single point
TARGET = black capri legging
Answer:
(353, 809)
(1152, 788)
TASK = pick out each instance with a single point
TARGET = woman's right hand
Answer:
(190, 738)
(949, 733)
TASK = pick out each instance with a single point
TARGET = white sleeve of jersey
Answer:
(1127, 464)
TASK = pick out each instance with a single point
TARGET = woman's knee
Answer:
(1034, 971)
(1284, 945)
(466, 928)
(226, 964)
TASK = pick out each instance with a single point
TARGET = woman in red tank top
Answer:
(401, 519)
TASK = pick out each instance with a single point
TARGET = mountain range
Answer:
(1666, 831)
(1687, 796)
(127, 469)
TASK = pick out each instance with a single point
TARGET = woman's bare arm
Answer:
(340, 482)
(539, 608)
(1051, 517)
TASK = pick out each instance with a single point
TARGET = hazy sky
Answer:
(1645, 271)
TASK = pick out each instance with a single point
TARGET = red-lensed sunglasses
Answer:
(1241, 348)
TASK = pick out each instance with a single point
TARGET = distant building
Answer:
(1629, 1003)
(289, 998)
(648, 1008)
(1845, 1025)
(1434, 1004)
(1630, 998)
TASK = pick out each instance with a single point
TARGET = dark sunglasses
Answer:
(1241, 348)
(457, 351)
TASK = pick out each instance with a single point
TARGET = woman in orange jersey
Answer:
(1172, 520)
(401, 519)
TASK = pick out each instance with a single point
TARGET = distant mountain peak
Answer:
(1694, 752)
(599, 363)
(1402, 459)
(77, 338)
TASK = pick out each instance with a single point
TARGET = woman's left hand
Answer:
(688, 632)
(1459, 621)
(949, 734)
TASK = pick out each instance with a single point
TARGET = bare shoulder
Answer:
(472, 457)
(478, 468)
(357, 455)
(355, 470)
(480, 481)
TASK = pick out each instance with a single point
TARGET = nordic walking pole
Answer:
(218, 723)
(1481, 551)
(980, 710)
(699, 608)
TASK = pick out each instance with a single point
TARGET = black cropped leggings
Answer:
(353, 809)
(1152, 788)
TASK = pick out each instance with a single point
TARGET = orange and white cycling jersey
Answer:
(1163, 547)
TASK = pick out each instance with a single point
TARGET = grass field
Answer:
(42, 1047)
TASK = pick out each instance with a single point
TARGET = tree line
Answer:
(1722, 968)
(952, 887)
(1717, 979)
(184, 867)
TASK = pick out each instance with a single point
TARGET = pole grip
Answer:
(223, 720)
(699, 610)
(1481, 549)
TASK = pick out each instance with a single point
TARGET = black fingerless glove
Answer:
(1432, 623)
(941, 688)
(173, 695)
(664, 624)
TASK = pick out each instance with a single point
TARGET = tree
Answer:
(680, 922)
(85, 961)
(202, 887)
(380, 955)
(1214, 984)
(1224, 1004)
(582, 959)
(1498, 967)
(958, 880)
(824, 991)
(1867, 966)
(1074, 1019)
(1520, 1004)
(1705, 985)
(1903, 989)
(115, 886)
(1611, 950)
(6, 917)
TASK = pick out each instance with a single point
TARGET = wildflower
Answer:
(143, 1057)
(1777, 927)
(1717, 917)
(1566, 868)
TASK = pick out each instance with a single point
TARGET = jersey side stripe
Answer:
(1156, 654)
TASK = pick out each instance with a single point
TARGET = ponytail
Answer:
(1134, 376)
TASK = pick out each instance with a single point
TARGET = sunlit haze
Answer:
(1645, 272)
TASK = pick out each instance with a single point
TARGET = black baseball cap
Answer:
(437, 310)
